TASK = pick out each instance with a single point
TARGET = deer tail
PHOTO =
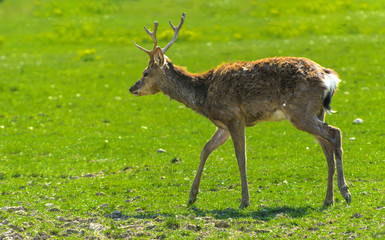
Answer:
(331, 81)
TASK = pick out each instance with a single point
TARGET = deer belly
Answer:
(278, 115)
(254, 118)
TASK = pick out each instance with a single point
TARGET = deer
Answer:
(237, 95)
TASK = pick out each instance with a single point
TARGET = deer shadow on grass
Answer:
(263, 214)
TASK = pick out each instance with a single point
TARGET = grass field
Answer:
(78, 153)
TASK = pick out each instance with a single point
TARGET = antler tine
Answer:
(143, 49)
(176, 32)
(153, 36)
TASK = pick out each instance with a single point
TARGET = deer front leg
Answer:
(219, 138)
(237, 132)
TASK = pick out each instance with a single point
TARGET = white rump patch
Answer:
(330, 82)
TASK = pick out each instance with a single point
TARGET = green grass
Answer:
(77, 150)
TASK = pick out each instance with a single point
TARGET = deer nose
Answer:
(134, 90)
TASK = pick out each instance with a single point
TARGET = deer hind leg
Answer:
(219, 138)
(237, 131)
(330, 139)
(337, 147)
(329, 154)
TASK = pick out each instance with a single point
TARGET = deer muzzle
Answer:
(134, 90)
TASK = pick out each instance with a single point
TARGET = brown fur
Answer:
(261, 87)
(257, 89)
(240, 94)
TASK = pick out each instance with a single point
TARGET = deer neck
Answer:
(184, 87)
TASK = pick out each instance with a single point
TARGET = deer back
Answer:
(258, 90)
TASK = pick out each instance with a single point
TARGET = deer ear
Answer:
(158, 56)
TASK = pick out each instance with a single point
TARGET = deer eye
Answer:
(145, 74)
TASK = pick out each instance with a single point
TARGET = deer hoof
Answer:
(191, 201)
(193, 197)
(244, 204)
(328, 202)
(348, 197)
(346, 194)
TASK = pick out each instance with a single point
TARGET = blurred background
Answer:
(66, 66)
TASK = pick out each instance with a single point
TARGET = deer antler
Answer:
(153, 36)
(176, 32)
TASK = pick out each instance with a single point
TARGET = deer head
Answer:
(152, 75)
